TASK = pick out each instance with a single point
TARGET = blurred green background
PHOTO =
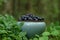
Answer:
(49, 9)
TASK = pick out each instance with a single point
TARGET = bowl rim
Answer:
(31, 21)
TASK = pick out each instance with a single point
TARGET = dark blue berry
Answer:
(30, 15)
(30, 19)
(35, 19)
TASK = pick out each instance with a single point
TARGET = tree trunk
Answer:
(39, 6)
(28, 6)
(16, 8)
(59, 10)
(18, 4)
(8, 6)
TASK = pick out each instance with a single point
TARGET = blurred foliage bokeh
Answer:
(49, 9)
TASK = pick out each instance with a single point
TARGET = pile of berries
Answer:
(30, 17)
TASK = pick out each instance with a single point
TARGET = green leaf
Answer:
(12, 35)
(35, 38)
(3, 31)
(37, 35)
(57, 27)
(30, 39)
(2, 26)
(55, 33)
(6, 38)
(20, 24)
(43, 38)
(46, 34)
(25, 38)
(22, 34)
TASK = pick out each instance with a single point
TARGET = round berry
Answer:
(35, 19)
(30, 15)
(30, 19)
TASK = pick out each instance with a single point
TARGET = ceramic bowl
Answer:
(32, 28)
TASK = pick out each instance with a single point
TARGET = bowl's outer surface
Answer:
(33, 28)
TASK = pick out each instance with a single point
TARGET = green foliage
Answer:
(38, 7)
(35, 38)
(46, 33)
(55, 33)
(43, 38)
(52, 33)
(9, 30)
(1, 1)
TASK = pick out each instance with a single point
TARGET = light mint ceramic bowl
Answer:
(33, 28)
